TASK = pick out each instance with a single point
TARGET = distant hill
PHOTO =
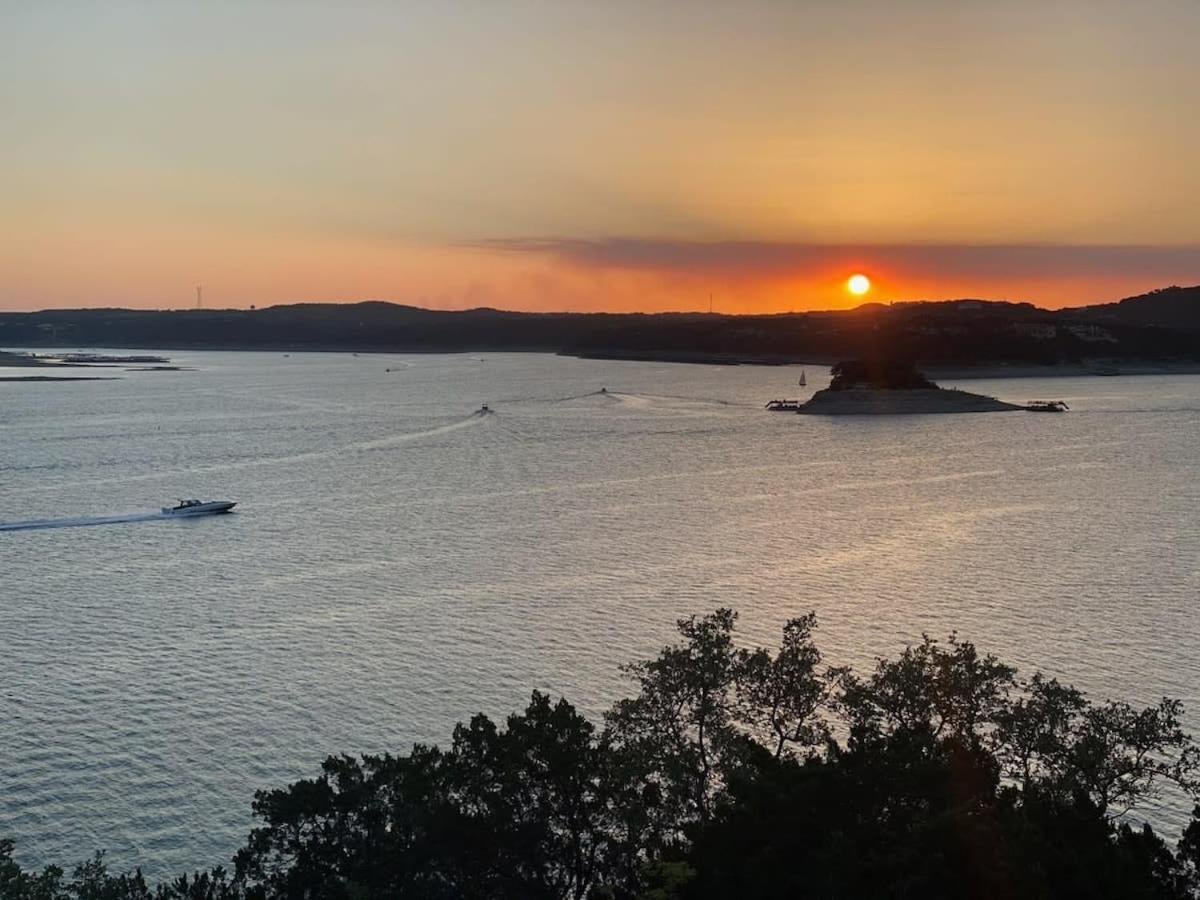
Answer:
(1171, 307)
(1161, 326)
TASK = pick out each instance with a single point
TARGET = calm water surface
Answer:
(397, 562)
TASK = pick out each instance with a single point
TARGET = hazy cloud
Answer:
(769, 259)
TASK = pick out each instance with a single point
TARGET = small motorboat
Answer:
(783, 405)
(483, 410)
(1046, 406)
(199, 507)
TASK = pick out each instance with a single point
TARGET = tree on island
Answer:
(732, 772)
(878, 373)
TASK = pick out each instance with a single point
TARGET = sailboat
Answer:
(803, 380)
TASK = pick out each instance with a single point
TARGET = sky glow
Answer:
(597, 156)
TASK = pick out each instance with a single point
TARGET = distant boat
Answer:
(783, 405)
(199, 507)
(483, 410)
(803, 380)
(1046, 406)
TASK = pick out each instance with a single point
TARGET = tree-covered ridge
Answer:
(732, 772)
(1164, 327)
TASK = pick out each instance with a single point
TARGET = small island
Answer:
(60, 361)
(891, 387)
(10, 360)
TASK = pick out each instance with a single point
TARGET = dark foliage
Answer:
(1169, 307)
(732, 772)
(885, 373)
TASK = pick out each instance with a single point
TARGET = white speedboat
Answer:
(199, 507)
(1046, 406)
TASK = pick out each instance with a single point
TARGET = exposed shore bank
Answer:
(55, 378)
(1099, 367)
(883, 402)
(1062, 370)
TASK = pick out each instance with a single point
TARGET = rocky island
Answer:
(874, 387)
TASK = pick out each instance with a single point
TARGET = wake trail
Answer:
(675, 403)
(538, 398)
(375, 444)
(715, 401)
(80, 521)
(604, 392)
(397, 439)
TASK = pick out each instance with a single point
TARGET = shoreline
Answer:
(1065, 370)
(901, 402)
(1100, 367)
(44, 378)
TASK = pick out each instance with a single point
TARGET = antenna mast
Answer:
(199, 295)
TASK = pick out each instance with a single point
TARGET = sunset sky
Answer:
(598, 155)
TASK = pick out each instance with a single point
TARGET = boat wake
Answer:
(394, 440)
(398, 439)
(80, 521)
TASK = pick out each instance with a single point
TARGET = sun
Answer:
(858, 284)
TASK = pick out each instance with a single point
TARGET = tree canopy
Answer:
(732, 771)
(880, 373)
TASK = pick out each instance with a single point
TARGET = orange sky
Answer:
(597, 156)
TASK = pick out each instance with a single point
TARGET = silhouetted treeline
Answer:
(1170, 307)
(732, 773)
(1160, 327)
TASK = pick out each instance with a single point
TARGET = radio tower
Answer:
(199, 295)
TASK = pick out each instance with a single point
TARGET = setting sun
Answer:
(858, 284)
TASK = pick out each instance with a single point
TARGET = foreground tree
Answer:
(526, 811)
(678, 733)
(732, 772)
(92, 881)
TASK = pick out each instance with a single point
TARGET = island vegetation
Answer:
(878, 373)
(732, 771)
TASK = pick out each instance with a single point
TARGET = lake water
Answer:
(397, 562)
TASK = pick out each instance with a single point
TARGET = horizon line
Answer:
(567, 312)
